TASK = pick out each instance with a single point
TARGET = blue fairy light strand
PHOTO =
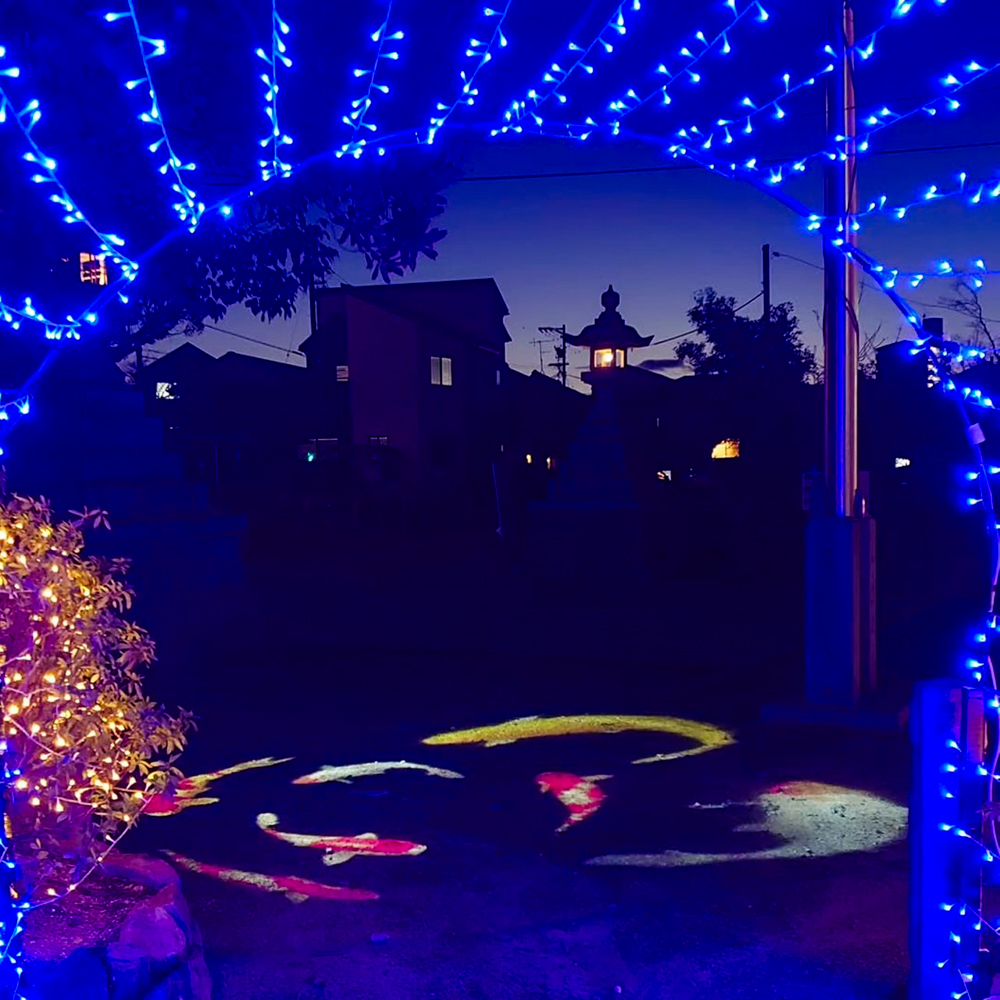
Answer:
(555, 76)
(661, 93)
(45, 173)
(188, 208)
(356, 118)
(720, 41)
(276, 166)
(482, 52)
(14, 316)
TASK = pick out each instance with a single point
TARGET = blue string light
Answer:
(12, 910)
(693, 52)
(355, 119)
(188, 208)
(45, 172)
(580, 58)
(482, 52)
(275, 167)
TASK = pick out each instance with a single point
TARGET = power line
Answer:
(688, 333)
(694, 166)
(252, 340)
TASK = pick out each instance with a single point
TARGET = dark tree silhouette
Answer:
(736, 345)
(966, 302)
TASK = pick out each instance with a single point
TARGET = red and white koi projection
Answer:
(580, 795)
(297, 890)
(340, 849)
(188, 790)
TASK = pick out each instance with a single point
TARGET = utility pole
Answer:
(560, 364)
(765, 255)
(541, 361)
(840, 541)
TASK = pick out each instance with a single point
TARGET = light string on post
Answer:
(556, 76)
(885, 118)
(482, 52)
(356, 118)
(275, 167)
(188, 209)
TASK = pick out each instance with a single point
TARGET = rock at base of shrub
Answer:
(81, 976)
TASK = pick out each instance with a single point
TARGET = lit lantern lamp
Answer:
(609, 340)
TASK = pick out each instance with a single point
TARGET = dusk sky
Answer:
(553, 244)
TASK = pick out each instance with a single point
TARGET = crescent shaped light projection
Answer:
(813, 820)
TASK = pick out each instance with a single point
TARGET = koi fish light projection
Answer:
(580, 795)
(188, 790)
(813, 820)
(337, 850)
(296, 890)
(707, 736)
(348, 772)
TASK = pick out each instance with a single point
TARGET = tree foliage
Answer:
(90, 747)
(737, 345)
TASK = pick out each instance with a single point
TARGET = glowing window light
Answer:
(93, 269)
(665, 475)
(727, 448)
(528, 459)
(604, 358)
(441, 371)
(902, 463)
(166, 390)
(550, 463)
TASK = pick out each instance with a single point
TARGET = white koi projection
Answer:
(346, 773)
(814, 821)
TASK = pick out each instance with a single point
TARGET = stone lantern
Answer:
(609, 339)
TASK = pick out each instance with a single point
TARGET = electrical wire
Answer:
(689, 333)
(694, 166)
(253, 340)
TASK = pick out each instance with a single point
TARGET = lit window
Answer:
(93, 269)
(902, 463)
(343, 373)
(527, 458)
(550, 463)
(166, 390)
(604, 358)
(377, 441)
(619, 358)
(441, 371)
(729, 448)
(665, 475)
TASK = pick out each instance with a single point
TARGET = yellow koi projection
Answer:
(707, 736)
(811, 819)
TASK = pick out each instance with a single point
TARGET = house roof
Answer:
(472, 309)
(184, 360)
